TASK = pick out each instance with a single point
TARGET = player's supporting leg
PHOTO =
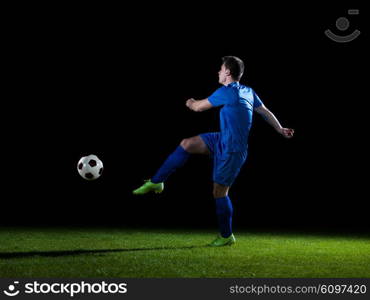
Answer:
(224, 211)
(193, 145)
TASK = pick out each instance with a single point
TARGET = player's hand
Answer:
(190, 102)
(287, 132)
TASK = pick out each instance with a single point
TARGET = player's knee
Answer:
(219, 191)
(189, 145)
(185, 143)
(218, 194)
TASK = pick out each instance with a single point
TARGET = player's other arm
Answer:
(273, 121)
(198, 105)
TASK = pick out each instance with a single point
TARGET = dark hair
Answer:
(235, 65)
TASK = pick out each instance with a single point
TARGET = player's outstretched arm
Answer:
(198, 105)
(273, 121)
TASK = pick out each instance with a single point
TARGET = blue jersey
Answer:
(238, 102)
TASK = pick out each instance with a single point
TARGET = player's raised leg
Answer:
(224, 211)
(188, 146)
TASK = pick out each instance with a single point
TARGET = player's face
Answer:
(222, 74)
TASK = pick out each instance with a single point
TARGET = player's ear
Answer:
(227, 72)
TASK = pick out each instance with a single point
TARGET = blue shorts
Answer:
(226, 165)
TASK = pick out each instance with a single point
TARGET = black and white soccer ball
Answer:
(90, 167)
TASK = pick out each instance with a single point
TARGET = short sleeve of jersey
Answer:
(256, 100)
(219, 97)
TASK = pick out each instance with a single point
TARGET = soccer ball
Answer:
(90, 167)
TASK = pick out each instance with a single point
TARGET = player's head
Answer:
(232, 69)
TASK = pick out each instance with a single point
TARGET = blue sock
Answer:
(176, 160)
(224, 211)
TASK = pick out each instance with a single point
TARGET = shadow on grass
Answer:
(7, 255)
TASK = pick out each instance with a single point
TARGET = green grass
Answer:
(133, 253)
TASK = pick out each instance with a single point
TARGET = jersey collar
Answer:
(233, 84)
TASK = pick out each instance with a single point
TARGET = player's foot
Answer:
(149, 186)
(221, 241)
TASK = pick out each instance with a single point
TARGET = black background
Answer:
(113, 81)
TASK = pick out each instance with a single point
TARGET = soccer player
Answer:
(227, 148)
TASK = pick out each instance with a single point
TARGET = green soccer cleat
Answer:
(149, 186)
(221, 241)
